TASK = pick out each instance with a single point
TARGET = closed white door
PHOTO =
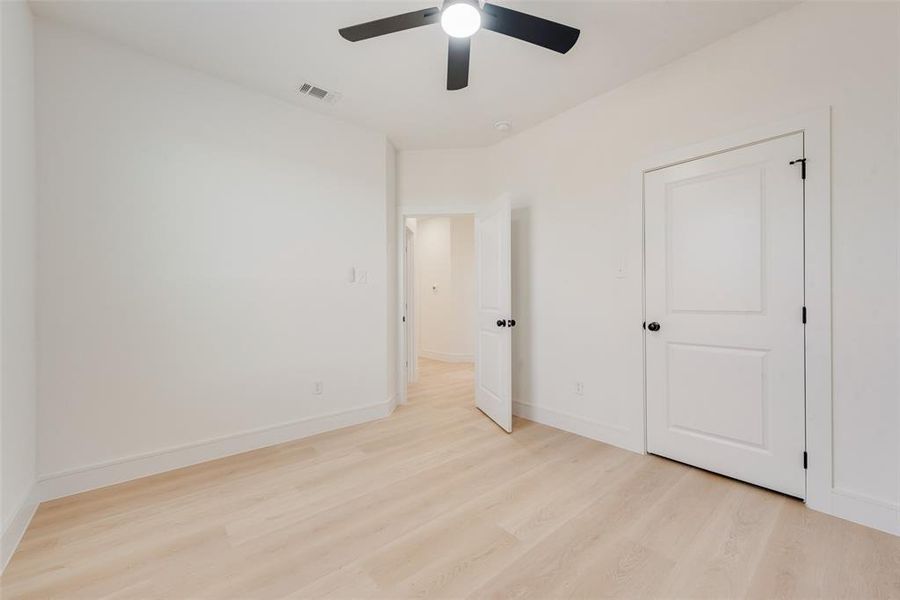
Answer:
(725, 317)
(494, 324)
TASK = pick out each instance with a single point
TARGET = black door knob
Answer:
(501, 323)
(654, 326)
(512, 322)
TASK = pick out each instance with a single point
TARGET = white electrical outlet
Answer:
(579, 388)
(318, 388)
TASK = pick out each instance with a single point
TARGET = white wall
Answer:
(437, 178)
(445, 278)
(390, 211)
(195, 246)
(17, 196)
(577, 220)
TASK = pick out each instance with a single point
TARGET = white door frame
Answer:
(403, 212)
(816, 127)
(409, 304)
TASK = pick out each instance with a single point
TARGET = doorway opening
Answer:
(455, 306)
(439, 273)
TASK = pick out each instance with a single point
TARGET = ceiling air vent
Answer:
(317, 93)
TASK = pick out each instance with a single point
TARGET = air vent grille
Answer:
(315, 92)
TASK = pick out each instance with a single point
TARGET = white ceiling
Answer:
(396, 84)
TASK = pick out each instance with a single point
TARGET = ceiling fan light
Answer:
(460, 20)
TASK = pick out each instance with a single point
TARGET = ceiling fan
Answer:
(461, 19)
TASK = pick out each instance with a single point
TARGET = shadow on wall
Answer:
(521, 306)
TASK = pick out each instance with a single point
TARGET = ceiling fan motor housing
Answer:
(479, 4)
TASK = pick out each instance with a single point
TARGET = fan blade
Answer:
(409, 20)
(458, 63)
(548, 34)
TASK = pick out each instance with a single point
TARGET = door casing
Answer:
(409, 306)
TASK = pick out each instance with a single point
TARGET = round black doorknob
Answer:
(512, 322)
(654, 326)
(501, 323)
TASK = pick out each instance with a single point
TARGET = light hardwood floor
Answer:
(436, 501)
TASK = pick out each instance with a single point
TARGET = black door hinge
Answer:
(404, 318)
(804, 315)
(802, 162)
(805, 459)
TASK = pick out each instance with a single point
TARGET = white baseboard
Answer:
(446, 356)
(74, 481)
(602, 432)
(871, 512)
(12, 534)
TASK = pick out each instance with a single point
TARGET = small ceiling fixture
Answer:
(461, 19)
(503, 126)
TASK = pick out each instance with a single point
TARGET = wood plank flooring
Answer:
(436, 501)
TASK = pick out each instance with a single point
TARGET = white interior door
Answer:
(724, 284)
(493, 335)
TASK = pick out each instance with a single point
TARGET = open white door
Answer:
(493, 300)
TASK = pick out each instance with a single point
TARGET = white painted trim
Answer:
(438, 211)
(15, 530)
(74, 481)
(821, 494)
(402, 342)
(409, 306)
(607, 433)
(862, 509)
(446, 356)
